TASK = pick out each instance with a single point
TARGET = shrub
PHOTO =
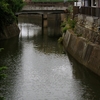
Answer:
(2, 98)
(71, 23)
(2, 75)
(64, 29)
(60, 40)
(63, 24)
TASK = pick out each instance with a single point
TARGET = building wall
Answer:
(94, 3)
(78, 3)
(81, 3)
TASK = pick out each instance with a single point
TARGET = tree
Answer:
(6, 14)
(8, 8)
(15, 5)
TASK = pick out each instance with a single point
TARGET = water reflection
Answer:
(29, 30)
(89, 81)
(37, 69)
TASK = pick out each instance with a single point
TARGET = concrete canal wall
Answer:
(9, 31)
(83, 51)
(83, 44)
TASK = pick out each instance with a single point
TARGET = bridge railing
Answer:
(49, 4)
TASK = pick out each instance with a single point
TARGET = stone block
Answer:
(80, 48)
(66, 38)
(90, 19)
(72, 43)
(88, 52)
(94, 61)
(89, 22)
(85, 52)
(10, 31)
(80, 17)
(85, 32)
(78, 30)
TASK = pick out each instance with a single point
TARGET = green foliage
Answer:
(15, 5)
(8, 8)
(60, 40)
(64, 29)
(6, 14)
(2, 98)
(3, 68)
(70, 8)
(63, 24)
(1, 49)
(71, 23)
(2, 75)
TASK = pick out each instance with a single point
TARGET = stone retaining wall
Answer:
(89, 28)
(9, 31)
(85, 52)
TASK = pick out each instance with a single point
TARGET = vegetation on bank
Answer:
(68, 23)
(2, 75)
(8, 8)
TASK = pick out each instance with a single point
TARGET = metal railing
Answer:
(90, 11)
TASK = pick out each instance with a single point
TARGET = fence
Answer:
(90, 11)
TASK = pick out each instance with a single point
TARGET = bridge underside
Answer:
(40, 12)
(41, 9)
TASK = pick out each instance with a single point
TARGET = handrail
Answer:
(47, 4)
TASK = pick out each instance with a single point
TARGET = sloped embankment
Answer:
(85, 52)
(9, 31)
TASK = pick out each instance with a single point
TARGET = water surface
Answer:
(38, 69)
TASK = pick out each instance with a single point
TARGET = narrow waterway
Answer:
(39, 70)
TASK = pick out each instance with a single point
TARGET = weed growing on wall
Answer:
(69, 24)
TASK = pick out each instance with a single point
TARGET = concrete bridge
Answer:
(44, 10)
(41, 12)
(38, 7)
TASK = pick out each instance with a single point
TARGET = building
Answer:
(90, 3)
(87, 13)
(87, 7)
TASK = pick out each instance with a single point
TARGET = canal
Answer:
(39, 70)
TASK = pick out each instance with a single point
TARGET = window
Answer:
(94, 2)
